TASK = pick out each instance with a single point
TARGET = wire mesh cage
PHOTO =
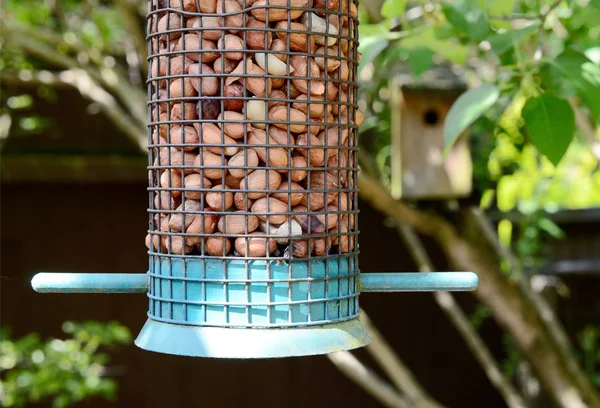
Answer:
(252, 180)
(252, 170)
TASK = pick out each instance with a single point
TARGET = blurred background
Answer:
(480, 151)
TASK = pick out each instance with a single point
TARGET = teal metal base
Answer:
(220, 342)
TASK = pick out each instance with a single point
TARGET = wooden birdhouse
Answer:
(419, 110)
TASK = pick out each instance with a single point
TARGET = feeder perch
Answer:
(253, 230)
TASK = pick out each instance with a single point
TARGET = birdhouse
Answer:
(253, 200)
(419, 110)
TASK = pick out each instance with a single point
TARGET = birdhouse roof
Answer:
(439, 78)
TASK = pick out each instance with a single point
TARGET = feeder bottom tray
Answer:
(246, 309)
(251, 343)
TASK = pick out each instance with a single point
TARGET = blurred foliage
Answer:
(527, 63)
(40, 36)
(589, 339)
(64, 371)
(531, 55)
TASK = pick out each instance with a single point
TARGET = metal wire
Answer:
(213, 66)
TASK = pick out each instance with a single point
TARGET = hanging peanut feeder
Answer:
(253, 230)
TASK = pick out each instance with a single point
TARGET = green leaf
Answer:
(371, 30)
(449, 49)
(420, 60)
(574, 74)
(370, 48)
(466, 110)
(467, 17)
(550, 123)
(501, 43)
(500, 8)
(393, 8)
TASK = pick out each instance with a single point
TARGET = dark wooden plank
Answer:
(72, 169)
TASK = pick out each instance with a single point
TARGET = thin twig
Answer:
(510, 307)
(80, 80)
(135, 29)
(555, 330)
(368, 380)
(460, 321)
(392, 365)
(583, 125)
(132, 98)
(542, 16)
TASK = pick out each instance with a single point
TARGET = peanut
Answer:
(193, 183)
(274, 212)
(255, 246)
(245, 160)
(236, 224)
(216, 246)
(256, 183)
(219, 199)
(231, 172)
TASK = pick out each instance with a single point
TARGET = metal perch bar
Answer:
(138, 283)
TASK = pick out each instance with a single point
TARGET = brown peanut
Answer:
(275, 208)
(273, 156)
(235, 17)
(277, 14)
(184, 135)
(208, 165)
(210, 134)
(280, 114)
(205, 22)
(193, 183)
(299, 41)
(219, 199)
(255, 39)
(231, 42)
(255, 246)
(233, 125)
(314, 149)
(291, 193)
(216, 246)
(246, 160)
(257, 184)
(236, 223)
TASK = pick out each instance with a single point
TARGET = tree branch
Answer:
(399, 374)
(460, 321)
(583, 125)
(132, 98)
(89, 89)
(135, 29)
(542, 16)
(368, 380)
(552, 325)
(508, 304)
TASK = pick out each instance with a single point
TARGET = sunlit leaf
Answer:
(370, 48)
(501, 43)
(500, 8)
(393, 8)
(420, 60)
(550, 123)
(449, 49)
(573, 74)
(466, 110)
(371, 30)
(467, 17)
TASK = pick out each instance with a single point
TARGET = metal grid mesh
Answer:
(252, 140)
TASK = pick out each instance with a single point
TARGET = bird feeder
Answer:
(253, 230)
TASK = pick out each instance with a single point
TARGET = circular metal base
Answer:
(217, 342)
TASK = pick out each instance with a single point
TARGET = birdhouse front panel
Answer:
(419, 170)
